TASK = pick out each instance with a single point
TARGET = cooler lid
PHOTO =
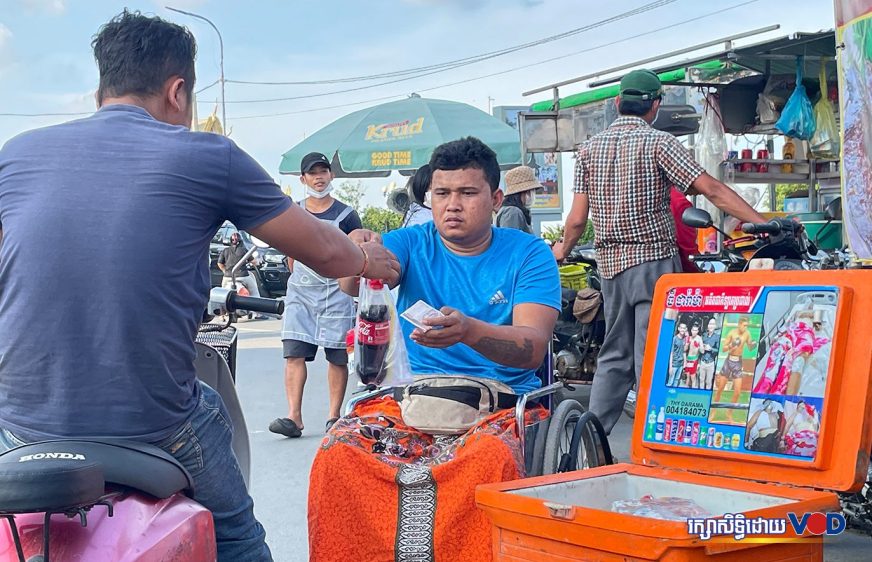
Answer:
(760, 376)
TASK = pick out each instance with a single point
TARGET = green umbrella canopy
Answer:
(401, 135)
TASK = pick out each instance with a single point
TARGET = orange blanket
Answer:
(382, 491)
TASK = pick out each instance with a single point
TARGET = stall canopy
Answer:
(607, 92)
(401, 135)
(772, 57)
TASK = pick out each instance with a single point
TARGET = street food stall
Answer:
(729, 104)
(750, 462)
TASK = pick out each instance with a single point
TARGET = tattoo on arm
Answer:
(508, 351)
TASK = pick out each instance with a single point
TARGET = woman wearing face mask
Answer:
(419, 211)
(521, 182)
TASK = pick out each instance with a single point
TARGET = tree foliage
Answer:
(555, 233)
(351, 193)
(380, 220)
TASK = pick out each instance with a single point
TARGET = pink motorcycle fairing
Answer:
(142, 529)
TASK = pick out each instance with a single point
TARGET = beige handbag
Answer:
(451, 405)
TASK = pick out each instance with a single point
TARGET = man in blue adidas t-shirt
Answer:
(498, 289)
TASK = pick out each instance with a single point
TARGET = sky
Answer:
(46, 64)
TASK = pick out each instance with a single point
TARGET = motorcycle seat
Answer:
(65, 473)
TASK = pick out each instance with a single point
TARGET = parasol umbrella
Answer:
(401, 135)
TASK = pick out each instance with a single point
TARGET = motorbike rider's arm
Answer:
(324, 248)
(351, 285)
(576, 222)
(521, 345)
(724, 198)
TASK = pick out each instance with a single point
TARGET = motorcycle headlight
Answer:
(273, 258)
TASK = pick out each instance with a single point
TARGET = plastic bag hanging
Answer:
(380, 357)
(825, 142)
(797, 118)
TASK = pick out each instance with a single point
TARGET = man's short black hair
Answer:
(137, 54)
(637, 108)
(465, 153)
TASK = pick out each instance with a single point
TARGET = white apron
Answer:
(316, 309)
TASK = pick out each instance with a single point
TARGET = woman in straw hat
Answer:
(521, 182)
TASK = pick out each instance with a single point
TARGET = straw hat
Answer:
(521, 179)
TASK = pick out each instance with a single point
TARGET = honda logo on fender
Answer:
(42, 456)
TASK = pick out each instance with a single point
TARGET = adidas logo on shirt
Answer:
(499, 298)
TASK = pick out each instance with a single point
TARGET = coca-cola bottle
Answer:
(373, 334)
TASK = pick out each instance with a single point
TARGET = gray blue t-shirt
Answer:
(104, 273)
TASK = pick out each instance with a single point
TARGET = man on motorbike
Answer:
(103, 346)
(623, 177)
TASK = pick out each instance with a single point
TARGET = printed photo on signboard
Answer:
(766, 424)
(734, 375)
(802, 426)
(546, 164)
(796, 344)
(694, 352)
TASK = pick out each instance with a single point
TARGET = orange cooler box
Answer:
(761, 445)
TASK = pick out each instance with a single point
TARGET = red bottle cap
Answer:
(376, 284)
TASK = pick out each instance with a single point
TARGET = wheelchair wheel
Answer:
(558, 441)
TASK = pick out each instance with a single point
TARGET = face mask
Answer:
(319, 194)
(428, 200)
(527, 199)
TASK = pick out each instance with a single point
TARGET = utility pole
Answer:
(221, 45)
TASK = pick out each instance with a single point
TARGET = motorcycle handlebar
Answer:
(236, 301)
(771, 227)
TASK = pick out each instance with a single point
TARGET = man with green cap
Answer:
(623, 177)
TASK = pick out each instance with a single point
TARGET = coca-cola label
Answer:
(373, 333)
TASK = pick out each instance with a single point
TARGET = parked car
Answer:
(271, 271)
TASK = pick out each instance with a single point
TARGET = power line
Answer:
(443, 67)
(204, 88)
(471, 59)
(514, 69)
(340, 106)
(45, 114)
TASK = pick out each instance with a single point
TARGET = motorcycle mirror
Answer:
(697, 218)
(833, 210)
(258, 242)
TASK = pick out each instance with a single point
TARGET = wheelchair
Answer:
(570, 438)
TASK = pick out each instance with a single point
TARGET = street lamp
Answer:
(221, 45)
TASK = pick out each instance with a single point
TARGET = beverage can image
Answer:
(694, 436)
(679, 438)
(711, 437)
(719, 440)
(736, 441)
(667, 435)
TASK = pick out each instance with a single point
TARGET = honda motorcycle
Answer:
(116, 500)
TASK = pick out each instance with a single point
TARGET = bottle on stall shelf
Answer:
(788, 152)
